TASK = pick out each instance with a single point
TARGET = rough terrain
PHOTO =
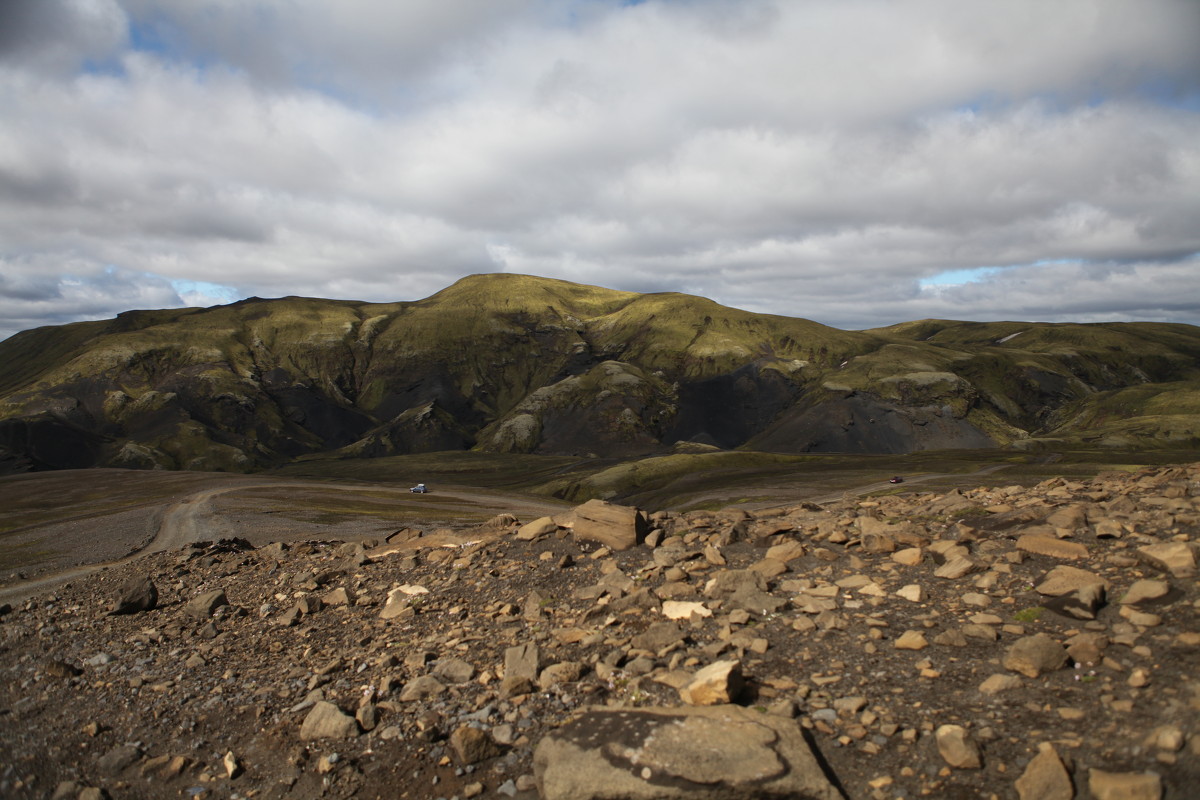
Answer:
(1002, 641)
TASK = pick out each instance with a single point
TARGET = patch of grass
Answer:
(18, 555)
(1032, 614)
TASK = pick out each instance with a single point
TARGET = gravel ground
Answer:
(827, 630)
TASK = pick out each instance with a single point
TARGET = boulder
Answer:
(136, 595)
(617, 527)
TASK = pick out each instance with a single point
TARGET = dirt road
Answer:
(196, 518)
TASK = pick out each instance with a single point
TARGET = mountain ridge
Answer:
(516, 363)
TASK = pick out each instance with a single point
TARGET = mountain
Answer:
(513, 363)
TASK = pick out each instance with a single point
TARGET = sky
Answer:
(854, 162)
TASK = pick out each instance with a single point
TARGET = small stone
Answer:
(1083, 603)
(202, 606)
(422, 688)
(118, 759)
(232, 767)
(1045, 778)
(1044, 545)
(563, 672)
(976, 599)
(956, 568)
(909, 556)
(1167, 737)
(1124, 785)
(326, 721)
(453, 670)
(720, 682)
(911, 640)
(522, 661)
(1138, 678)
(1141, 618)
(912, 592)
(1065, 579)
(957, 748)
(1033, 655)
(785, 552)
(1177, 558)
(337, 597)
(658, 636)
(680, 609)
(532, 531)
(472, 745)
(1000, 682)
(366, 716)
(1144, 591)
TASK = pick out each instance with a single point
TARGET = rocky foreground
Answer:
(999, 642)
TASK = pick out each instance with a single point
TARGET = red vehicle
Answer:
(896, 479)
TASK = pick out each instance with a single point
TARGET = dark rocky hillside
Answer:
(511, 363)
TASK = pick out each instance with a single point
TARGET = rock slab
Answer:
(725, 752)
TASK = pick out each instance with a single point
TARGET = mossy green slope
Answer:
(514, 363)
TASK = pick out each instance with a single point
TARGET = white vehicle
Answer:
(419, 489)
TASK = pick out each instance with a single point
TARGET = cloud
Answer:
(58, 37)
(818, 159)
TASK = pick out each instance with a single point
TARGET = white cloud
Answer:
(815, 159)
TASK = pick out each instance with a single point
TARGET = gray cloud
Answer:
(825, 159)
(58, 36)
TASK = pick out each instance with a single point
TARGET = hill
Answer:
(518, 364)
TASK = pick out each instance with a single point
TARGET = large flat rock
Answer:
(726, 752)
